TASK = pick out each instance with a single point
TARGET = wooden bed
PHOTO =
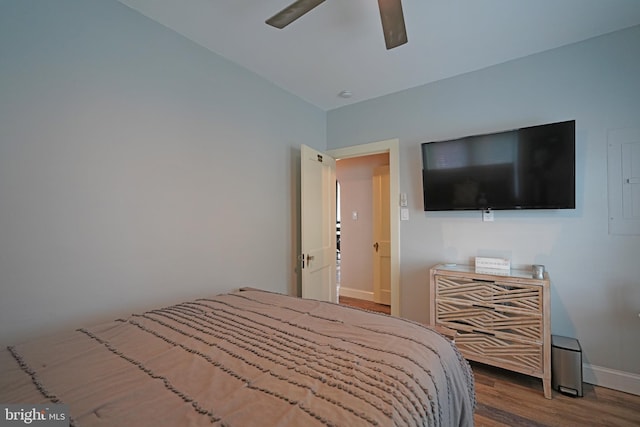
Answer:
(246, 358)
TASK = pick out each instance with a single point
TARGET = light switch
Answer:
(403, 200)
(354, 215)
(404, 214)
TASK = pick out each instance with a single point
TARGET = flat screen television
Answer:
(526, 168)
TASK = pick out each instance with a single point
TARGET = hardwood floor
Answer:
(367, 305)
(505, 398)
(508, 399)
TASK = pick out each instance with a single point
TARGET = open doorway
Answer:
(386, 152)
(362, 230)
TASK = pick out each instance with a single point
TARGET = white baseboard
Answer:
(356, 293)
(610, 378)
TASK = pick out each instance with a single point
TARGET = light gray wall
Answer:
(595, 276)
(136, 168)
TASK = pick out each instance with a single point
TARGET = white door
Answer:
(381, 236)
(318, 225)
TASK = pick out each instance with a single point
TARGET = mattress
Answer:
(246, 358)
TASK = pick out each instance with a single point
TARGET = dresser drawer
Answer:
(501, 352)
(497, 294)
(514, 324)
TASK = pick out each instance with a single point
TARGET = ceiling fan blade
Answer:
(292, 12)
(395, 33)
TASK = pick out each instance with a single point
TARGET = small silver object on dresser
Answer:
(538, 271)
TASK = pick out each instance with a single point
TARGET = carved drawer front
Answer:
(492, 349)
(516, 296)
(513, 311)
(471, 318)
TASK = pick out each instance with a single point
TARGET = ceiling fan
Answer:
(391, 15)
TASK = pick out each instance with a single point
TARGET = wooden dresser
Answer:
(500, 320)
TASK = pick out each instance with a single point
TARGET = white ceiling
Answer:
(340, 46)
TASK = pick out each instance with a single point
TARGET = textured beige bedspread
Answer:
(248, 358)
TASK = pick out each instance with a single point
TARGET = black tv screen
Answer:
(526, 168)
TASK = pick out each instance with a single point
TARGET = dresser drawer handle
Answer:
(483, 333)
(488, 307)
(483, 281)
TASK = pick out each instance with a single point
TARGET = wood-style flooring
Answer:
(367, 305)
(506, 398)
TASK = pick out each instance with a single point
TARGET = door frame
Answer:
(392, 147)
